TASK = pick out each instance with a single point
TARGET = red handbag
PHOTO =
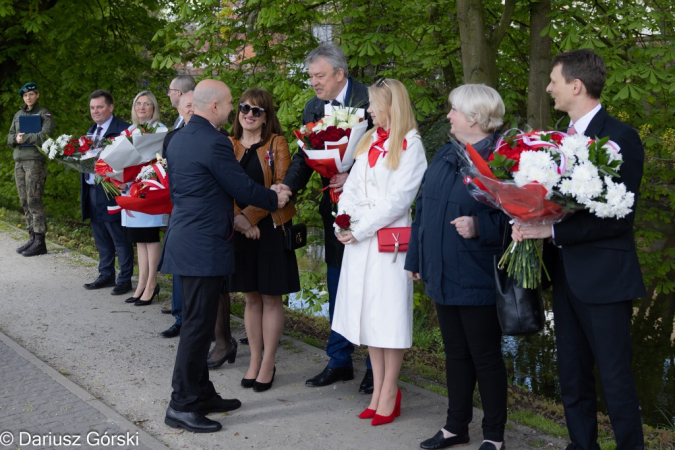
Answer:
(393, 240)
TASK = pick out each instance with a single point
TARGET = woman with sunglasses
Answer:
(375, 297)
(139, 228)
(265, 270)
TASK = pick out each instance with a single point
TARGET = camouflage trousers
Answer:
(30, 179)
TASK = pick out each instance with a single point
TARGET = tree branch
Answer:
(504, 23)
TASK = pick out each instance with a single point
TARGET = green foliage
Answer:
(71, 48)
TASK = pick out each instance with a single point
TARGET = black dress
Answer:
(263, 265)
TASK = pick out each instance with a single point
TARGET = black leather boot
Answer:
(38, 247)
(27, 244)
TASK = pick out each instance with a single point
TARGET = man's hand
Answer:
(283, 193)
(414, 275)
(253, 233)
(19, 138)
(242, 224)
(520, 232)
(338, 181)
(467, 226)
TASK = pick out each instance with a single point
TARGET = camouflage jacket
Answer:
(27, 153)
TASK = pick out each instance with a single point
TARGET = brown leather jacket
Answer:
(282, 159)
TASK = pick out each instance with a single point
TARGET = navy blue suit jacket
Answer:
(204, 179)
(599, 255)
(100, 213)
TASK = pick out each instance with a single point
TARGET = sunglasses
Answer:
(381, 82)
(245, 108)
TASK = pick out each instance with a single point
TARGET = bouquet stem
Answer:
(110, 189)
(524, 263)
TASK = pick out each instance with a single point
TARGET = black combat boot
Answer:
(27, 244)
(39, 247)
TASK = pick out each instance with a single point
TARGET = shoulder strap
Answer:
(271, 152)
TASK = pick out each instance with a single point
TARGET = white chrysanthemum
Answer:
(575, 148)
(63, 140)
(146, 173)
(537, 167)
(583, 184)
(613, 150)
(618, 201)
(47, 144)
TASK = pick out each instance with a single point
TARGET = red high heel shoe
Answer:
(367, 414)
(381, 420)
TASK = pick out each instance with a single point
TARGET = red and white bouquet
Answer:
(539, 178)
(124, 156)
(78, 153)
(329, 144)
(149, 193)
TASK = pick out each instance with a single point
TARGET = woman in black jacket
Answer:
(454, 240)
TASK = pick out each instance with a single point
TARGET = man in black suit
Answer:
(596, 274)
(106, 228)
(328, 73)
(204, 178)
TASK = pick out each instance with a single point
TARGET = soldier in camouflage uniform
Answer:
(30, 169)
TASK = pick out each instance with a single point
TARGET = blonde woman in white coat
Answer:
(375, 295)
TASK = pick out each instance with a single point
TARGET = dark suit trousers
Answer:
(472, 339)
(588, 333)
(190, 381)
(109, 238)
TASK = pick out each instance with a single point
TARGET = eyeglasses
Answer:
(245, 108)
(381, 82)
(142, 104)
(168, 91)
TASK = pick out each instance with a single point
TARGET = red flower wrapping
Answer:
(343, 221)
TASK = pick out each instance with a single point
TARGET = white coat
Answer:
(375, 296)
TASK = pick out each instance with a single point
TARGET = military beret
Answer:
(27, 88)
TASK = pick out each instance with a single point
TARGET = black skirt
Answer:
(264, 265)
(142, 235)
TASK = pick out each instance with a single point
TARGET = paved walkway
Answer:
(75, 362)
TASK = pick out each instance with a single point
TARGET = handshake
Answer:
(283, 193)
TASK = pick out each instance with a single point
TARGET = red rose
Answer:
(317, 140)
(343, 221)
(334, 134)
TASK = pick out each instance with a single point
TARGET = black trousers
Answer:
(190, 382)
(473, 352)
(588, 334)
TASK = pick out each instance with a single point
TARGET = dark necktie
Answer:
(97, 136)
(333, 102)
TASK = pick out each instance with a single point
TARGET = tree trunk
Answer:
(538, 102)
(479, 41)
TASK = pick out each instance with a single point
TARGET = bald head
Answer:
(186, 106)
(213, 101)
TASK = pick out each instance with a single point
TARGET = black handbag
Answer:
(520, 310)
(295, 237)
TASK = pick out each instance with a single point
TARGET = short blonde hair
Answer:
(389, 98)
(155, 108)
(480, 104)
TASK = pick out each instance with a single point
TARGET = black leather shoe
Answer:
(366, 386)
(230, 356)
(172, 331)
(244, 341)
(165, 310)
(121, 288)
(262, 387)
(100, 282)
(331, 375)
(438, 441)
(217, 404)
(191, 420)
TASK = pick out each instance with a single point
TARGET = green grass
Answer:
(538, 422)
